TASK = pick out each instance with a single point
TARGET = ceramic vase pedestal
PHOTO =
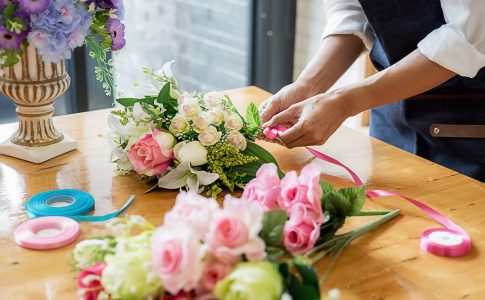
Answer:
(34, 85)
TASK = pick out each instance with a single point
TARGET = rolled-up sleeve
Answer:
(458, 45)
(347, 17)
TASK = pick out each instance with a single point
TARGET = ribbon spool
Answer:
(452, 241)
(47, 233)
(71, 203)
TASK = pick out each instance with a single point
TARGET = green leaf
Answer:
(337, 204)
(305, 292)
(355, 196)
(308, 275)
(264, 156)
(273, 225)
(252, 116)
(327, 187)
(168, 103)
(127, 102)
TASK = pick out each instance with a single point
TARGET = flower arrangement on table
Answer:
(57, 27)
(260, 246)
(186, 140)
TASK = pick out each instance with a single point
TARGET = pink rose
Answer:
(213, 273)
(152, 154)
(89, 282)
(192, 209)
(300, 237)
(234, 231)
(303, 190)
(178, 257)
(265, 188)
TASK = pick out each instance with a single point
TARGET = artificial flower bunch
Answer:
(57, 27)
(185, 140)
(259, 246)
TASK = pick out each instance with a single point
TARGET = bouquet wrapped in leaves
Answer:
(194, 141)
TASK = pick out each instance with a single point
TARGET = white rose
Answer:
(202, 121)
(237, 140)
(212, 100)
(217, 116)
(189, 106)
(233, 122)
(210, 136)
(191, 152)
(179, 125)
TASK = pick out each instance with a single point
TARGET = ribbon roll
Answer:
(47, 233)
(76, 205)
(452, 241)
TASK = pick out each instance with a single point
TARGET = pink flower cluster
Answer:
(199, 243)
(300, 196)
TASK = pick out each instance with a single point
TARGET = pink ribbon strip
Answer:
(452, 241)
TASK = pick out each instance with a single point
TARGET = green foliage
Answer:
(222, 158)
(273, 225)
(167, 101)
(302, 281)
(122, 116)
(104, 68)
(263, 156)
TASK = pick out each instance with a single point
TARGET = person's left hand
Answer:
(311, 122)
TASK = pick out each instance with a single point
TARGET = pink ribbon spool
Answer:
(27, 234)
(452, 241)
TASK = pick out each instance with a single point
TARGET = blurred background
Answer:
(216, 45)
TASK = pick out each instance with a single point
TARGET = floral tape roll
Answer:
(46, 233)
(76, 205)
(451, 241)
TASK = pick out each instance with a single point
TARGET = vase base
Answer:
(38, 154)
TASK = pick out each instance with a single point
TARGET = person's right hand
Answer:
(284, 98)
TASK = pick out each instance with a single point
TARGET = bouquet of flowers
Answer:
(186, 140)
(260, 246)
(56, 27)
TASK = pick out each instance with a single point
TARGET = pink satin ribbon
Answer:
(452, 241)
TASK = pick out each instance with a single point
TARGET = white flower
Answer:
(138, 113)
(157, 79)
(88, 252)
(189, 106)
(179, 125)
(217, 116)
(233, 122)
(237, 140)
(212, 100)
(191, 152)
(123, 163)
(210, 136)
(185, 175)
(202, 121)
(130, 132)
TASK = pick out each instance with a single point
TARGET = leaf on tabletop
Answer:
(273, 225)
(308, 274)
(356, 197)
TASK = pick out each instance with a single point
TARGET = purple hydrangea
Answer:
(33, 6)
(9, 40)
(3, 3)
(60, 29)
(117, 33)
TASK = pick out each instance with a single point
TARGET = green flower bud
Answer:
(251, 280)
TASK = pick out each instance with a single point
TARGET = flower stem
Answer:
(372, 213)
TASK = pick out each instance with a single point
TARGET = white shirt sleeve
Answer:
(347, 17)
(458, 45)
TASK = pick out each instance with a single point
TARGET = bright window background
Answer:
(209, 41)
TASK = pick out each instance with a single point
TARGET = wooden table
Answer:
(384, 264)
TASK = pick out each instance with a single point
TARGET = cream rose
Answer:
(202, 121)
(217, 116)
(179, 125)
(237, 140)
(189, 106)
(233, 122)
(192, 152)
(210, 136)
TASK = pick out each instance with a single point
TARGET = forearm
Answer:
(411, 76)
(335, 55)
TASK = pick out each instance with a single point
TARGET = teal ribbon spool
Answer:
(79, 204)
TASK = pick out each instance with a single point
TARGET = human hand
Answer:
(313, 121)
(284, 98)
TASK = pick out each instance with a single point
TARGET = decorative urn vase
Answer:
(34, 85)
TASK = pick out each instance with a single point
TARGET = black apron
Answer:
(414, 124)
